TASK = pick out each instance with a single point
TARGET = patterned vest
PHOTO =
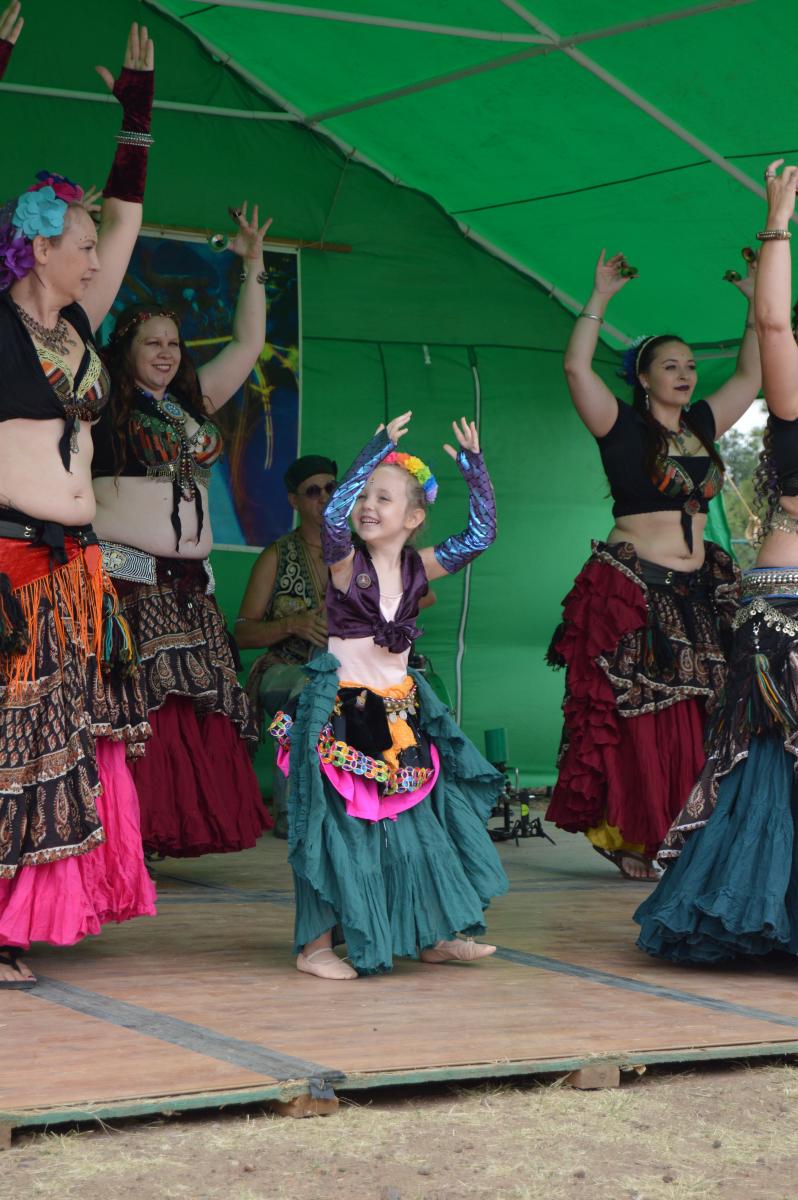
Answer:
(295, 590)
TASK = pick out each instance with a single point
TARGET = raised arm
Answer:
(336, 536)
(224, 374)
(10, 28)
(592, 399)
(738, 393)
(773, 299)
(120, 220)
(458, 550)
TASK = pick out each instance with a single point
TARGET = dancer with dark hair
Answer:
(646, 626)
(154, 449)
(70, 849)
(731, 885)
(388, 800)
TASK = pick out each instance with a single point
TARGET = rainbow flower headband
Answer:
(419, 470)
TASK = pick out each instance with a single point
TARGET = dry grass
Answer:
(728, 1133)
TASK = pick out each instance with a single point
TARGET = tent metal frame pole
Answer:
(640, 102)
(508, 60)
(351, 18)
(204, 110)
(351, 152)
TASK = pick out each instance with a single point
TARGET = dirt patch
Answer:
(730, 1133)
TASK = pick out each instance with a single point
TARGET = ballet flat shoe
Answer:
(458, 950)
(330, 967)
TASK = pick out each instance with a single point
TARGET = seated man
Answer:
(283, 607)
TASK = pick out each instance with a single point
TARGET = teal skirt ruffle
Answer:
(390, 888)
(733, 891)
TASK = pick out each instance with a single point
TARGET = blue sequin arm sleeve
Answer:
(336, 536)
(458, 550)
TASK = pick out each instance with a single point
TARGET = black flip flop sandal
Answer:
(8, 958)
(616, 857)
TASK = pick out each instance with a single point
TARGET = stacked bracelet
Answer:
(131, 137)
(591, 316)
(774, 235)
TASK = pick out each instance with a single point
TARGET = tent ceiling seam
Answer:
(325, 14)
(550, 47)
(567, 301)
(640, 102)
(206, 110)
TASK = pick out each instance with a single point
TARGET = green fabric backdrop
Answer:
(415, 308)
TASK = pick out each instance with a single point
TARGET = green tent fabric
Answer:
(451, 226)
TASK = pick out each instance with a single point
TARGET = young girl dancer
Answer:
(388, 800)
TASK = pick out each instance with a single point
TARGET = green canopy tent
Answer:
(454, 167)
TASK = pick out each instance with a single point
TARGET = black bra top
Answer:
(38, 385)
(784, 447)
(633, 490)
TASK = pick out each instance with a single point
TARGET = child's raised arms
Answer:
(459, 549)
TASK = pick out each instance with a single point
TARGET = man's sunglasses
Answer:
(315, 490)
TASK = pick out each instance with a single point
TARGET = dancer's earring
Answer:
(646, 401)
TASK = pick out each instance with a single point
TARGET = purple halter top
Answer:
(356, 613)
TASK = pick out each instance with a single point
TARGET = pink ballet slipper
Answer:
(331, 967)
(460, 950)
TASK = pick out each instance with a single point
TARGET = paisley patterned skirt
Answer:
(197, 787)
(645, 652)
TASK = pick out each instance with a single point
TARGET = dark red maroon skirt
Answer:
(197, 788)
(644, 663)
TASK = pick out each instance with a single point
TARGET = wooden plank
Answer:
(219, 958)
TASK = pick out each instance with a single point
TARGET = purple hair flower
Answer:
(40, 213)
(16, 256)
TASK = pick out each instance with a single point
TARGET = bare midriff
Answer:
(659, 538)
(32, 475)
(137, 511)
(780, 549)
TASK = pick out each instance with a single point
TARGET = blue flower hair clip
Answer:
(631, 358)
(40, 213)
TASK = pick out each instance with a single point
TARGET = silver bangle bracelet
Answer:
(591, 316)
(132, 137)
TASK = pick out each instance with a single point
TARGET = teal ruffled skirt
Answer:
(733, 890)
(390, 888)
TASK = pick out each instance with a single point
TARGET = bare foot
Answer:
(633, 867)
(14, 973)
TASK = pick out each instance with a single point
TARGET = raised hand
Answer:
(745, 283)
(248, 241)
(609, 277)
(396, 428)
(11, 23)
(92, 200)
(467, 436)
(781, 191)
(139, 56)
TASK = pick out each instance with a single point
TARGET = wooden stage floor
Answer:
(202, 1007)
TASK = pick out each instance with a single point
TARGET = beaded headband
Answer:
(419, 470)
(139, 317)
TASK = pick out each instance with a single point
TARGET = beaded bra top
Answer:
(158, 446)
(158, 441)
(680, 483)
